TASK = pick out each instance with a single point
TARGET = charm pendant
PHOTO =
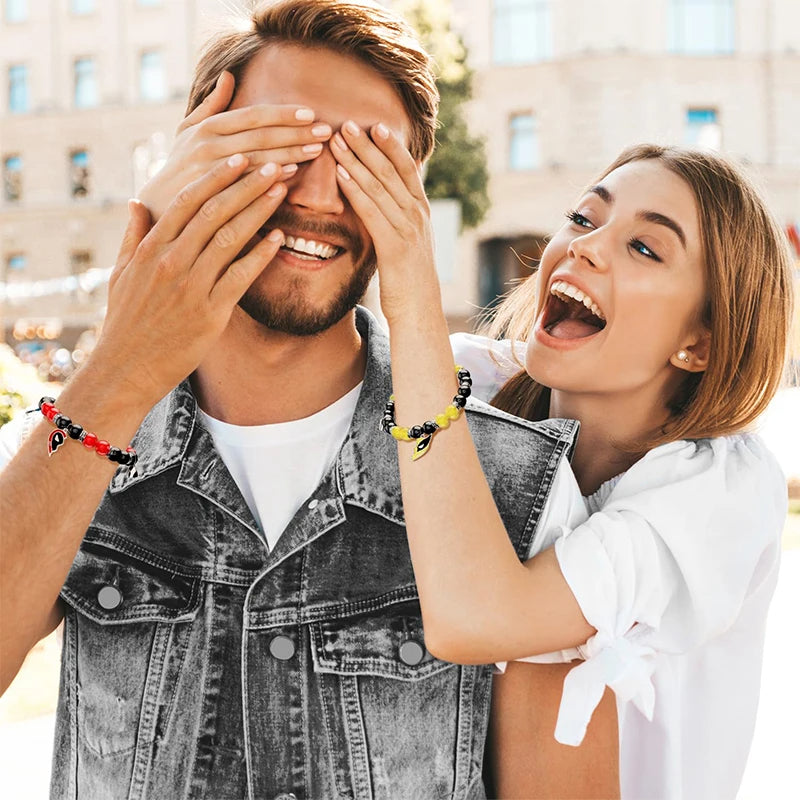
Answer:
(422, 446)
(55, 440)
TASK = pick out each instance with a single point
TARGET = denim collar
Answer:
(365, 472)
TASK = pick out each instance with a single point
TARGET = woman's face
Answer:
(620, 286)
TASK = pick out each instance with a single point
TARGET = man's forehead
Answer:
(337, 87)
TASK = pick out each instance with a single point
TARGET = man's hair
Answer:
(748, 306)
(356, 28)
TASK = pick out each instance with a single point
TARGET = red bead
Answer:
(52, 413)
(102, 447)
(46, 408)
(89, 441)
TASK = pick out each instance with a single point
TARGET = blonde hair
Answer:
(748, 309)
(362, 30)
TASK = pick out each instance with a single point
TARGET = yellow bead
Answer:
(399, 433)
(452, 411)
(442, 420)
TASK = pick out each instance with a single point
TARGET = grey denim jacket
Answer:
(198, 664)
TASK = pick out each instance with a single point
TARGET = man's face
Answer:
(298, 292)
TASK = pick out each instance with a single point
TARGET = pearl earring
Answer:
(683, 356)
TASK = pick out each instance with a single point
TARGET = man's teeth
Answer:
(310, 247)
(562, 289)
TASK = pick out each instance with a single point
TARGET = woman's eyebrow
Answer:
(647, 216)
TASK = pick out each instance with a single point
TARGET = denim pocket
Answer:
(131, 616)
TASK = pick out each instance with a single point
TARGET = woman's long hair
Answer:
(748, 308)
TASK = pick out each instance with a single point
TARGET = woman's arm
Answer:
(478, 602)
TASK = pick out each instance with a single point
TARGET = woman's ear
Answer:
(693, 356)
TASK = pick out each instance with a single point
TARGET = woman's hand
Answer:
(175, 285)
(383, 184)
(285, 135)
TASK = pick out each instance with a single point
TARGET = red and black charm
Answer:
(55, 440)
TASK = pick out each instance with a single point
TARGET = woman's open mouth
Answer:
(570, 313)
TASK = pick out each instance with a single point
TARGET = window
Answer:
(18, 100)
(12, 178)
(80, 262)
(81, 7)
(703, 129)
(701, 27)
(151, 76)
(16, 262)
(521, 31)
(85, 83)
(523, 150)
(79, 173)
(16, 10)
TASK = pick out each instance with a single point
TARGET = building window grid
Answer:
(85, 77)
(702, 27)
(82, 7)
(521, 31)
(16, 11)
(523, 142)
(702, 129)
(152, 85)
(12, 178)
(18, 96)
(79, 173)
(16, 262)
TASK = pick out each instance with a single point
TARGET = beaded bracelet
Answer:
(424, 433)
(65, 427)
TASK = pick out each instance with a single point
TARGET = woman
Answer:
(658, 319)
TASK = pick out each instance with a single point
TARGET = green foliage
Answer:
(457, 168)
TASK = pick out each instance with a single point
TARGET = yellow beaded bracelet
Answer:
(423, 434)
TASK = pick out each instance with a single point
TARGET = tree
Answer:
(457, 169)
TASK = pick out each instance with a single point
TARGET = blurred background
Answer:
(537, 97)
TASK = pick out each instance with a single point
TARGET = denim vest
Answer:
(198, 664)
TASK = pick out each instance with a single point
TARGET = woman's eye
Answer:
(642, 248)
(579, 219)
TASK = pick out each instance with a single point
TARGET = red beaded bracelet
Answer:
(65, 427)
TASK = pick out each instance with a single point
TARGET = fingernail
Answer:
(275, 190)
(275, 236)
(339, 141)
(351, 128)
(268, 169)
(382, 131)
(235, 161)
(343, 172)
(304, 115)
(289, 169)
(312, 148)
(321, 130)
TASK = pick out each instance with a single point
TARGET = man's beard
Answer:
(287, 310)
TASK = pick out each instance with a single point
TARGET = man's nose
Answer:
(591, 249)
(315, 188)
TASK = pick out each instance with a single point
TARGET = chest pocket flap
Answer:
(387, 643)
(111, 586)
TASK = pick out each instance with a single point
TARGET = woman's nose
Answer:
(590, 248)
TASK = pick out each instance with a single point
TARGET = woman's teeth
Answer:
(309, 247)
(563, 289)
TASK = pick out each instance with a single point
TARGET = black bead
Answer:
(74, 431)
(459, 401)
(46, 400)
(429, 427)
(124, 459)
(463, 374)
(464, 391)
(415, 432)
(62, 421)
(114, 454)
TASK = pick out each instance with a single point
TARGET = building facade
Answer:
(92, 91)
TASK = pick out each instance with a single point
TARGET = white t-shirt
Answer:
(277, 467)
(674, 563)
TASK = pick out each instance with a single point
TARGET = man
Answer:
(241, 618)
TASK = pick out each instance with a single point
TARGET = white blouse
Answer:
(674, 563)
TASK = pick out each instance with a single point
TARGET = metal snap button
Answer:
(109, 598)
(286, 796)
(411, 653)
(282, 648)
(313, 504)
